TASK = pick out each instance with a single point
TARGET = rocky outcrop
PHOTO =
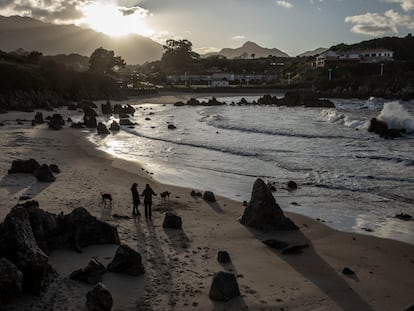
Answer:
(172, 221)
(91, 274)
(114, 127)
(106, 108)
(44, 173)
(56, 122)
(120, 109)
(263, 212)
(90, 122)
(11, 281)
(24, 166)
(125, 122)
(224, 287)
(209, 196)
(127, 261)
(101, 129)
(38, 118)
(381, 128)
(99, 299)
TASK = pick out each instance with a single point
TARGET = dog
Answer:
(106, 199)
(165, 196)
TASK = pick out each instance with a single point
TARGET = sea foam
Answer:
(396, 116)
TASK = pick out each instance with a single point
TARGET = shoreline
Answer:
(179, 277)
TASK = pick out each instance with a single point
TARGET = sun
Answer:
(110, 20)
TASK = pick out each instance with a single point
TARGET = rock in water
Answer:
(126, 261)
(114, 126)
(224, 287)
(44, 173)
(172, 221)
(263, 212)
(11, 281)
(209, 196)
(102, 130)
(99, 299)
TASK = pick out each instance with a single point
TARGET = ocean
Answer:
(350, 179)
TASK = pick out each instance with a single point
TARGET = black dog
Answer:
(165, 196)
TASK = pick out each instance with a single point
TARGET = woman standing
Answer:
(135, 199)
(147, 194)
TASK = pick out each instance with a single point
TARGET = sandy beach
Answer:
(179, 265)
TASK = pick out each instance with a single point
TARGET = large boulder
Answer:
(81, 229)
(99, 298)
(38, 118)
(172, 221)
(56, 122)
(209, 196)
(381, 128)
(89, 112)
(11, 281)
(102, 130)
(24, 166)
(18, 245)
(224, 287)
(263, 212)
(91, 274)
(106, 108)
(114, 127)
(44, 173)
(127, 261)
(90, 122)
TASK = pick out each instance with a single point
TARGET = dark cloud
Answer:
(132, 10)
(5, 3)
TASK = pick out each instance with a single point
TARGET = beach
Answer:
(179, 265)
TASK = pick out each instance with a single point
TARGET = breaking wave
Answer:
(396, 116)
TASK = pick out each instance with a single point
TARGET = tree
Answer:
(103, 61)
(178, 54)
(253, 55)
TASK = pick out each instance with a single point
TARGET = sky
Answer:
(293, 26)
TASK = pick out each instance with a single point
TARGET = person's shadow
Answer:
(15, 183)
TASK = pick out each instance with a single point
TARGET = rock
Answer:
(91, 274)
(224, 287)
(172, 221)
(209, 196)
(89, 112)
(56, 122)
(125, 122)
(292, 185)
(347, 271)
(44, 173)
(38, 118)
(24, 198)
(294, 249)
(171, 127)
(86, 104)
(72, 106)
(179, 104)
(81, 229)
(404, 216)
(114, 126)
(18, 245)
(126, 261)
(24, 166)
(69, 119)
(54, 168)
(102, 130)
(11, 281)
(223, 257)
(409, 307)
(106, 108)
(273, 243)
(263, 212)
(99, 299)
(90, 122)
(147, 119)
(381, 128)
(195, 194)
(78, 125)
(128, 109)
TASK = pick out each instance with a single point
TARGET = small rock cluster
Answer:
(42, 172)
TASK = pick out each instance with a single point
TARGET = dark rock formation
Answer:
(128, 109)
(273, 243)
(263, 212)
(44, 173)
(90, 122)
(99, 299)
(91, 274)
(127, 261)
(171, 127)
(404, 216)
(224, 287)
(89, 112)
(196, 194)
(102, 130)
(38, 118)
(125, 122)
(381, 128)
(24, 166)
(86, 104)
(292, 185)
(56, 122)
(114, 126)
(11, 281)
(106, 108)
(348, 271)
(223, 257)
(209, 196)
(409, 307)
(172, 221)
(54, 168)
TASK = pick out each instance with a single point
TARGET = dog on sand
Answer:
(165, 196)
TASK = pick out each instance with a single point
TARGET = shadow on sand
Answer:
(316, 269)
(15, 183)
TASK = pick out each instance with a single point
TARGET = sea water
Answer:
(348, 178)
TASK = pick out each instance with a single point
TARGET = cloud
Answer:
(284, 4)
(238, 38)
(406, 5)
(133, 10)
(207, 49)
(375, 24)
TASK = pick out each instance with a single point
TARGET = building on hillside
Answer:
(349, 58)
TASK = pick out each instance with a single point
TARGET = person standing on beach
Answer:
(147, 194)
(135, 199)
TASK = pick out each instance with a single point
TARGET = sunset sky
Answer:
(294, 26)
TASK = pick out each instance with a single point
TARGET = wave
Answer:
(333, 116)
(406, 162)
(396, 116)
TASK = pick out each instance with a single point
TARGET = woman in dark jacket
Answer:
(147, 194)
(135, 199)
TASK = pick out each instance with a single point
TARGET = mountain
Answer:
(313, 53)
(247, 49)
(50, 39)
